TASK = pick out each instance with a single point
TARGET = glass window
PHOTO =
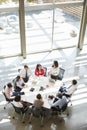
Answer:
(38, 30)
(66, 26)
(28, 2)
(85, 39)
(52, 29)
(9, 30)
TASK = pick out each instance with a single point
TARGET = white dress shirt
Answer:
(20, 83)
(8, 92)
(17, 104)
(23, 73)
(70, 90)
(54, 71)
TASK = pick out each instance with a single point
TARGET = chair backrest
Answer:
(14, 82)
(61, 73)
(20, 110)
(17, 109)
(64, 107)
(37, 112)
(45, 68)
(19, 70)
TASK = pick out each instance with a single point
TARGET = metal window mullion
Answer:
(22, 28)
(83, 26)
(53, 27)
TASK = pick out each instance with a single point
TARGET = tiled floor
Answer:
(75, 64)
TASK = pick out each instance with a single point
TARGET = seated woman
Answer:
(37, 107)
(38, 102)
(54, 71)
(68, 91)
(19, 84)
(8, 92)
(39, 71)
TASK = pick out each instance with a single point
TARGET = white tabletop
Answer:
(50, 88)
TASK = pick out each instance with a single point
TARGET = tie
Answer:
(70, 86)
(26, 74)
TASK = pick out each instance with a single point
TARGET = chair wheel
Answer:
(67, 114)
(13, 117)
(29, 122)
(41, 125)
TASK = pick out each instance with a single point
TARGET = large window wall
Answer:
(9, 30)
(52, 26)
(9, 34)
(36, 26)
(38, 30)
(66, 27)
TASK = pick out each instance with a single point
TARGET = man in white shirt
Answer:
(17, 102)
(20, 104)
(70, 90)
(25, 73)
(8, 92)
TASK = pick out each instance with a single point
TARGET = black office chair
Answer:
(7, 100)
(63, 110)
(21, 111)
(37, 112)
(60, 75)
(45, 68)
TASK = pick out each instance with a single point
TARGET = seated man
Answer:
(25, 73)
(70, 90)
(59, 102)
(18, 103)
(8, 92)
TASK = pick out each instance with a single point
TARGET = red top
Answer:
(39, 72)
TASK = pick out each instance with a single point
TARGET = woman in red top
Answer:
(39, 71)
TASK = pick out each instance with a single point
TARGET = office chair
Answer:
(7, 100)
(61, 111)
(37, 112)
(69, 97)
(20, 111)
(60, 75)
(19, 70)
(45, 68)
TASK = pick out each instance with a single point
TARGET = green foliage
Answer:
(30, 0)
(16, 1)
(3, 1)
